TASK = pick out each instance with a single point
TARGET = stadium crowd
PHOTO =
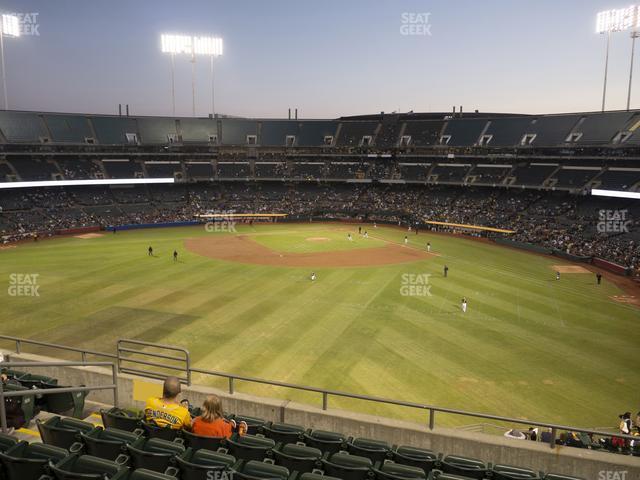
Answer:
(563, 222)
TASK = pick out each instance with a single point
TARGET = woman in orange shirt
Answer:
(212, 423)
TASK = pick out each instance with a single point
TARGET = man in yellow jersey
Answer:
(166, 411)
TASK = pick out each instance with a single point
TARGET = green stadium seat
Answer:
(439, 475)
(107, 443)
(415, 457)
(316, 476)
(152, 430)
(328, 442)
(27, 402)
(144, 474)
(558, 476)
(376, 450)
(468, 467)
(120, 419)
(7, 441)
(507, 472)
(86, 467)
(396, 471)
(31, 380)
(297, 457)
(196, 464)
(65, 403)
(255, 470)
(197, 442)
(255, 424)
(26, 461)
(153, 453)
(250, 447)
(283, 432)
(347, 467)
(62, 432)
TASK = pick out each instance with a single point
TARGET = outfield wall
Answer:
(589, 464)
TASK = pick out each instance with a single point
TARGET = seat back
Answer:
(6, 442)
(154, 431)
(508, 472)
(329, 442)
(144, 474)
(468, 467)
(62, 432)
(396, 471)
(107, 443)
(86, 467)
(198, 442)
(283, 432)
(121, 419)
(415, 457)
(297, 458)
(347, 467)
(153, 453)
(27, 402)
(26, 461)
(255, 424)
(250, 447)
(64, 403)
(376, 450)
(196, 465)
(254, 469)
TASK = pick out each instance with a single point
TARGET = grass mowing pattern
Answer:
(529, 346)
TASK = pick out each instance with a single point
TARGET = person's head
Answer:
(211, 408)
(171, 388)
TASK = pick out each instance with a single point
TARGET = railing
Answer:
(187, 370)
(52, 391)
(183, 360)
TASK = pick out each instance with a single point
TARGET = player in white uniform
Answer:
(464, 305)
(349, 237)
(428, 247)
(406, 240)
(313, 276)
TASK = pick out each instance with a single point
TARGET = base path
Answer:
(242, 249)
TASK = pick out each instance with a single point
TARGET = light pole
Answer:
(10, 28)
(173, 84)
(634, 35)
(606, 68)
(193, 46)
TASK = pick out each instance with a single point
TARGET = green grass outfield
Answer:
(529, 346)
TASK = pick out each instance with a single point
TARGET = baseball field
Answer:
(379, 319)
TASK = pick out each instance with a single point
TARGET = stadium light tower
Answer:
(192, 46)
(10, 28)
(608, 22)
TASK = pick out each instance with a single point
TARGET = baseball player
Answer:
(464, 305)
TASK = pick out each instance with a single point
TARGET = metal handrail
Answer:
(188, 370)
(19, 341)
(120, 349)
(51, 391)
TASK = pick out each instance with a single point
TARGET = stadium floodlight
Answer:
(10, 28)
(614, 193)
(76, 183)
(192, 46)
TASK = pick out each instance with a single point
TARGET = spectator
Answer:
(167, 411)
(212, 422)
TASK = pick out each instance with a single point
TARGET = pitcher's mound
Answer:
(242, 249)
(86, 236)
